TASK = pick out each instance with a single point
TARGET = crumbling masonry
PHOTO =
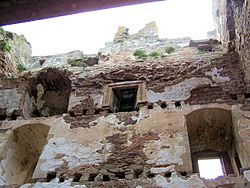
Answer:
(116, 120)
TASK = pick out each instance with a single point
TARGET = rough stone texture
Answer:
(146, 39)
(194, 101)
(9, 100)
(75, 58)
(247, 175)
(233, 26)
(20, 53)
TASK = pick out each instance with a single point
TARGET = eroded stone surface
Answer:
(194, 102)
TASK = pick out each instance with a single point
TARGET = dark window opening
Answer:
(168, 174)
(124, 99)
(97, 111)
(150, 105)
(247, 95)
(50, 176)
(13, 115)
(183, 173)
(106, 178)
(84, 111)
(177, 104)
(150, 175)
(3, 117)
(137, 173)
(163, 105)
(234, 97)
(61, 179)
(77, 177)
(92, 176)
(72, 114)
(120, 175)
(36, 113)
(41, 61)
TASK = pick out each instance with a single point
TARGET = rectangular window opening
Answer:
(124, 100)
(210, 168)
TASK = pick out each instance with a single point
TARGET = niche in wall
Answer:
(124, 96)
(22, 151)
(48, 93)
(211, 137)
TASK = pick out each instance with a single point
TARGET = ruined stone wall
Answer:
(14, 51)
(94, 147)
(147, 39)
(232, 24)
(56, 130)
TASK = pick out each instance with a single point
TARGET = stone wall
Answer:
(91, 146)
(233, 25)
(146, 39)
(58, 127)
(19, 53)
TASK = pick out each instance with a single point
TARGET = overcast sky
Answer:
(89, 31)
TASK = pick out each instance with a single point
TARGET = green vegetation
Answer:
(169, 49)
(155, 55)
(2, 30)
(201, 51)
(210, 62)
(75, 62)
(21, 67)
(4, 44)
(140, 54)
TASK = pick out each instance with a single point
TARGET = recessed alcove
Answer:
(48, 93)
(211, 137)
(22, 152)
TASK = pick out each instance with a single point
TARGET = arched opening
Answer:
(48, 93)
(22, 152)
(211, 139)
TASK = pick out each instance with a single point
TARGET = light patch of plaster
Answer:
(9, 99)
(113, 120)
(39, 102)
(2, 178)
(216, 77)
(158, 170)
(97, 100)
(175, 181)
(142, 115)
(54, 183)
(179, 91)
(167, 151)
(74, 100)
(27, 106)
(247, 175)
(74, 153)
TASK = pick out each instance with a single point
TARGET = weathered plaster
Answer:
(73, 153)
(216, 77)
(247, 175)
(52, 184)
(10, 99)
(176, 181)
(74, 100)
(179, 91)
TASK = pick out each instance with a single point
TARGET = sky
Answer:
(210, 168)
(89, 31)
